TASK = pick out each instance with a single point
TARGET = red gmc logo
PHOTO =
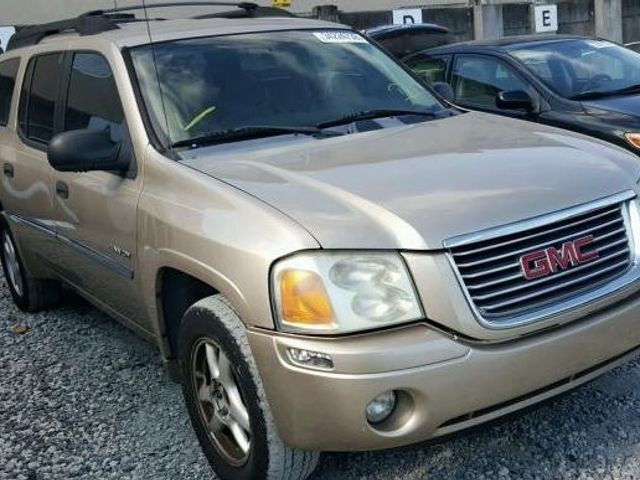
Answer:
(550, 260)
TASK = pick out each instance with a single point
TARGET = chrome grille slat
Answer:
(518, 276)
(552, 278)
(543, 245)
(528, 237)
(490, 270)
(555, 287)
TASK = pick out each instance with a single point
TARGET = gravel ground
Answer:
(83, 398)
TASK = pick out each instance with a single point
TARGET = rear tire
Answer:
(213, 339)
(29, 294)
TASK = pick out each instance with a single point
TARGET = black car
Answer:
(403, 40)
(588, 85)
(635, 46)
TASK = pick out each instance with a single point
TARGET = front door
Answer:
(96, 212)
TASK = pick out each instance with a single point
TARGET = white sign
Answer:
(407, 15)
(546, 18)
(5, 34)
(339, 37)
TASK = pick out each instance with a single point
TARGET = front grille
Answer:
(492, 274)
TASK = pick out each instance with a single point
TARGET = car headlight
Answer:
(633, 139)
(340, 292)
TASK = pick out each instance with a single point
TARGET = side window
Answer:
(427, 68)
(92, 99)
(477, 80)
(38, 98)
(8, 73)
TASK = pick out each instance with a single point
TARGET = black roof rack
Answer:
(98, 21)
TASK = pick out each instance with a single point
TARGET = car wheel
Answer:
(226, 400)
(29, 294)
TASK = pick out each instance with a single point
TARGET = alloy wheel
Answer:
(220, 402)
(11, 261)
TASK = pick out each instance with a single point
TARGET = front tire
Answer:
(226, 400)
(29, 294)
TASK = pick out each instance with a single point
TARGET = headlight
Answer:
(331, 292)
(633, 139)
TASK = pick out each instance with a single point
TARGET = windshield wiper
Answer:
(373, 114)
(249, 132)
(593, 94)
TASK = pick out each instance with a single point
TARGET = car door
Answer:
(96, 212)
(478, 79)
(27, 177)
(429, 68)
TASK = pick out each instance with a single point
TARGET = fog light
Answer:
(381, 407)
(311, 359)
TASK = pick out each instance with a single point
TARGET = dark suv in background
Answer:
(588, 85)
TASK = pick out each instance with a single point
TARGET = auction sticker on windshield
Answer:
(339, 37)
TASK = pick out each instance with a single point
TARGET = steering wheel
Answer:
(594, 81)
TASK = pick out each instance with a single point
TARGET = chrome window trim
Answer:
(619, 284)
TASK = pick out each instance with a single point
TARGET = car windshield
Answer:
(583, 68)
(295, 79)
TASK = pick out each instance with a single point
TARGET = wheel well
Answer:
(178, 291)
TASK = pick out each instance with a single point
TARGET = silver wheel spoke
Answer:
(226, 375)
(215, 425)
(203, 394)
(240, 436)
(237, 408)
(212, 361)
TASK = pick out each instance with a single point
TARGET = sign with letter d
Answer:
(407, 15)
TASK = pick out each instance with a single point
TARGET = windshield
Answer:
(582, 68)
(287, 79)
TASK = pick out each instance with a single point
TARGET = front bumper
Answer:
(447, 384)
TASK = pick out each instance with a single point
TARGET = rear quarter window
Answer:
(8, 73)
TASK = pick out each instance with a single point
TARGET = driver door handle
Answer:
(62, 190)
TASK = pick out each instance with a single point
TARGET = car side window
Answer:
(428, 68)
(38, 98)
(92, 98)
(8, 73)
(477, 80)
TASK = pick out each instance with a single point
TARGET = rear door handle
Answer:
(62, 190)
(7, 168)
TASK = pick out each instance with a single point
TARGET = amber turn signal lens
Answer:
(304, 299)
(633, 139)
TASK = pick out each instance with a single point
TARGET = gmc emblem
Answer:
(550, 260)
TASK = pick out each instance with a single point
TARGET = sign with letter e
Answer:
(407, 15)
(546, 18)
(281, 3)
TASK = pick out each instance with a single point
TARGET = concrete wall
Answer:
(508, 17)
(631, 20)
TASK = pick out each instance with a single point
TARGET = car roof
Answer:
(506, 43)
(385, 29)
(131, 34)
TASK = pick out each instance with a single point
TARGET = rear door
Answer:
(27, 178)
(96, 212)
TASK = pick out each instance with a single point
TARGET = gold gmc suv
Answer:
(327, 254)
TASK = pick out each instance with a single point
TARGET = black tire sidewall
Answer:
(197, 324)
(21, 300)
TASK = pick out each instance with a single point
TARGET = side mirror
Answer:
(86, 151)
(514, 100)
(444, 90)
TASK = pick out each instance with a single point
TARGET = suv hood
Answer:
(412, 187)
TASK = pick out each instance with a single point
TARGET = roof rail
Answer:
(98, 21)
